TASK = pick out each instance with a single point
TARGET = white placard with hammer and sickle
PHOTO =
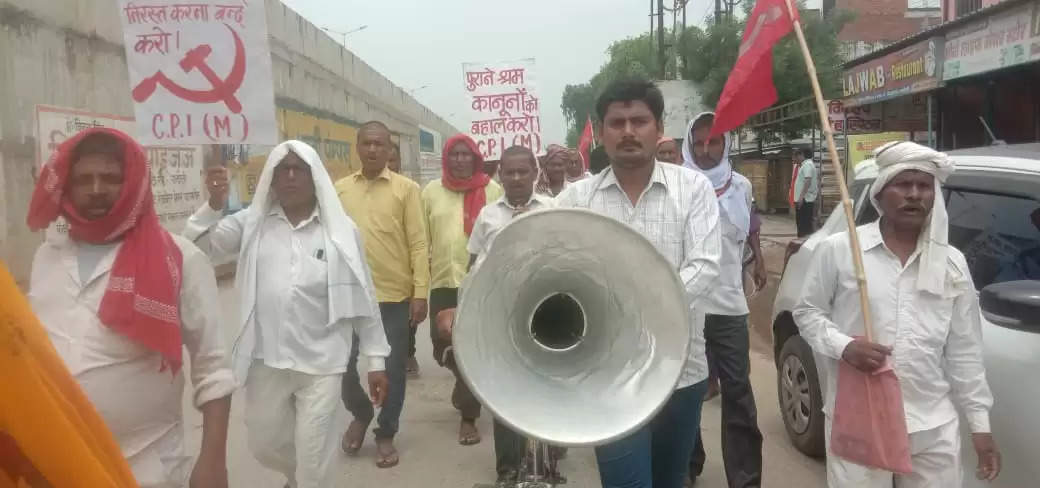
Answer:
(200, 71)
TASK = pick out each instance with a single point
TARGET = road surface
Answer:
(431, 456)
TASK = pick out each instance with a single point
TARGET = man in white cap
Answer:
(926, 322)
(305, 289)
(728, 342)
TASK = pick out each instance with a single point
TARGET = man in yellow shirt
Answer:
(387, 207)
(452, 204)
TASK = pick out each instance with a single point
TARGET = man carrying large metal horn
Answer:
(675, 209)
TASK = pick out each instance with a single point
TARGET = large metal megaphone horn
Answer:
(573, 330)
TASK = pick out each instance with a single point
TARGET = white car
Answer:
(993, 200)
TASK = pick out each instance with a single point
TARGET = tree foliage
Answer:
(708, 56)
(631, 58)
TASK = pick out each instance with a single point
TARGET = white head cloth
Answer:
(351, 291)
(894, 158)
(731, 202)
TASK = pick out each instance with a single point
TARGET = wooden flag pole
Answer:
(846, 200)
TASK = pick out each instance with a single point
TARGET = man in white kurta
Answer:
(305, 289)
(926, 320)
(116, 253)
(727, 339)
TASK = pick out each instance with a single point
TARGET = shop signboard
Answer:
(862, 146)
(914, 69)
(1001, 40)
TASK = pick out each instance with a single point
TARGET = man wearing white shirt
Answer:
(514, 170)
(806, 189)
(120, 298)
(518, 172)
(675, 209)
(305, 289)
(926, 320)
(726, 324)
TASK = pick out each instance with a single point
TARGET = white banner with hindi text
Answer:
(503, 106)
(200, 71)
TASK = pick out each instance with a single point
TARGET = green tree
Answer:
(709, 55)
(631, 58)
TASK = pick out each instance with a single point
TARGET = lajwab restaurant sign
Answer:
(914, 69)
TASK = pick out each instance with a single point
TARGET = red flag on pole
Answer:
(585, 142)
(750, 88)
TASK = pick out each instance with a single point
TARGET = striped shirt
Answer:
(678, 214)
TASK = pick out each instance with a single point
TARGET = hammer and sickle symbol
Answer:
(223, 90)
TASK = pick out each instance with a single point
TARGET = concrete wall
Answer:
(70, 53)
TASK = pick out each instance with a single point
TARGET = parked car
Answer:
(993, 202)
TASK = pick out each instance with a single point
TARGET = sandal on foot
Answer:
(468, 433)
(386, 453)
(354, 437)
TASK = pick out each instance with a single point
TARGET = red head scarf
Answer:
(142, 297)
(474, 187)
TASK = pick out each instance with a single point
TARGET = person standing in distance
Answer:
(806, 190)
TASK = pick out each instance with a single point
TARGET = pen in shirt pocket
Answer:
(320, 255)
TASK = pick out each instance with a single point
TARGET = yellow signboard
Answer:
(862, 145)
(333, 140)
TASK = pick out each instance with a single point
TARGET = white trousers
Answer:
(291, 418)
(935, 455)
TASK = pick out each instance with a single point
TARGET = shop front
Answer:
(893, 93)
(990, 74)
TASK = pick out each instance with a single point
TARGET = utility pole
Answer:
(718, 12)
(650, 40)
(660, 40)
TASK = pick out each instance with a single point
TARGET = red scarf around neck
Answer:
(475, 197)
(142, 298)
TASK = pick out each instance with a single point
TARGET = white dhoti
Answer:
(292, 422)
(935, 455)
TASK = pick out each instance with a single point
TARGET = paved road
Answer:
(431, 456)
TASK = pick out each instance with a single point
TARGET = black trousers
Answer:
(804, 215)
(727, 338)
(461, 397)
(509, 448)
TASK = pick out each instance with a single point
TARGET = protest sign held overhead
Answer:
(503, 106)
(200, 72)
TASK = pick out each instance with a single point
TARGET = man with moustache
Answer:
(387, 207)
(926, 317)
(726, 323)
(120, 298)
(306, 298)
(675, 209)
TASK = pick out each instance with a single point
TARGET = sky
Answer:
(423, 43)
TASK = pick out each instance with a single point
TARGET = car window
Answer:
(998, 234)
(865, 212)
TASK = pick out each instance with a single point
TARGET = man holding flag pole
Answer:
(882, 431)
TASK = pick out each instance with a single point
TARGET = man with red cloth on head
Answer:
(451, 205)
(120, 297)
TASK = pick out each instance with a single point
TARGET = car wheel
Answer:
(798, 389)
